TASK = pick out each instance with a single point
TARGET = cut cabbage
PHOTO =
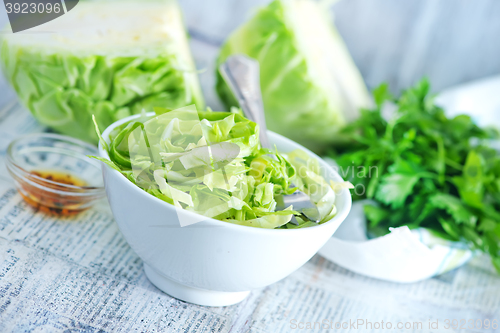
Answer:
(310, 85)
(173, 156)
(111, 59)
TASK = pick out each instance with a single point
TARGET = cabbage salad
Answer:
(212, 163)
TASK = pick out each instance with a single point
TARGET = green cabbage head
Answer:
(111, 59)
(310, 85)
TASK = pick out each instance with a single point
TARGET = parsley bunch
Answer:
(424, 170)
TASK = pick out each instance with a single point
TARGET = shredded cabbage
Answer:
(211, 163)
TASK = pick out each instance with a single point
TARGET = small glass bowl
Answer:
(53, 173)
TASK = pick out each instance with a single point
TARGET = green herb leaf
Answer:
(433, 171)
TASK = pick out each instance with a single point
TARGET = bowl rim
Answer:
(340, 215)
(41, 183)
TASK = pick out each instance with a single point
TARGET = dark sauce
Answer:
(52, 203)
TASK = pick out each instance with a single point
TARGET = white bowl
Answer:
(212, 262)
